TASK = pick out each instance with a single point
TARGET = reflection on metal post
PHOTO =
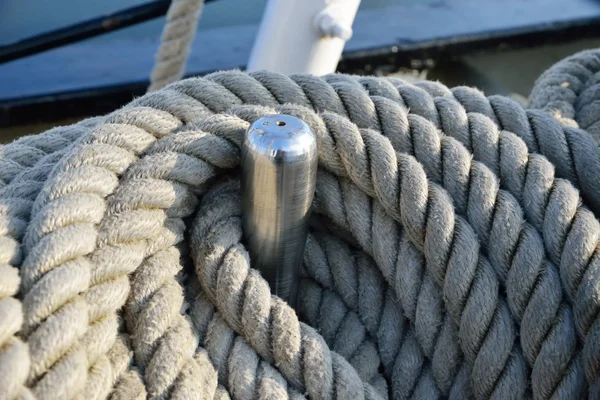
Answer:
(279, 172)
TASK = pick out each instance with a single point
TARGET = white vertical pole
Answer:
(303, 36)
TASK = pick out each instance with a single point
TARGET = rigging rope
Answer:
(462, 262)
(176, 41)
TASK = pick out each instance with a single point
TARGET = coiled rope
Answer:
(462, 263)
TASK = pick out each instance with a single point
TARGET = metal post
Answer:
(303, 36)
(279, 172)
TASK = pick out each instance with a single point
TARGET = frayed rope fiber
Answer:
(454, 250)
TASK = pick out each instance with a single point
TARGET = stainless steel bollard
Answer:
(279, 173)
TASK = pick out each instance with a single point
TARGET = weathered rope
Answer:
(329, 261)
(25, 165)
(238, 365)
(568, 90)
(500, 222)
(473, 243)
(176, 40)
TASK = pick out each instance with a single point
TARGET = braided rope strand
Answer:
(87, 197)
(33, 157)
(477, 187)
(176, 39)
(365, 117)
(568, 90)
(472, 249)
(266, 322)
(327, 260)
(393, 208)
(237, 364)
(100, 258)
(585, 257)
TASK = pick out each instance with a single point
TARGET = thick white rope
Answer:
(476, 274)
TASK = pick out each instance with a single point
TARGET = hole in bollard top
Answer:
(281, 139)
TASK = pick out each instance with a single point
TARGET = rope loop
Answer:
(451, 256)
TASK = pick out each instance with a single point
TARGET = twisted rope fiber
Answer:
(119, 350)
(362, 289)
(189, 114)
(513, 371)
(343, 332)
(238, 138)
(117, 396)
(266, 322)
(338, 201)
(358, 297)
(176, 40)
(503, 152)
(164, 341)
(238, 365)
(349, 333)
(413, 301)
(569, 90)
(101, 135)
(100, 365)
(161, 335)
(566, 226)
(572, 277)
(572, 151)
(451, 159)
(25, 165)
(567, 333)
(28, 150)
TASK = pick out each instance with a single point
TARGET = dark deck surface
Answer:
(95, 77)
